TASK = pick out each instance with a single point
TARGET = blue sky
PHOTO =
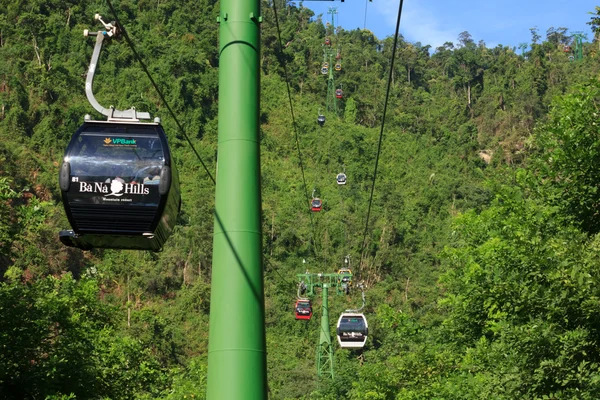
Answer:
(434, 22)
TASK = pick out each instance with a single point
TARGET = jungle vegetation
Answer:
(481, 259)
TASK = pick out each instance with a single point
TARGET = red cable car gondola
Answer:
(316, 204)
(303, 309)
(327, 42)
(338, 93)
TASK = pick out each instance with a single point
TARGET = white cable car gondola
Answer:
(352, 330)
(341, 178)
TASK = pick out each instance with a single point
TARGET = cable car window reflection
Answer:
(353, 324)
(137, 160)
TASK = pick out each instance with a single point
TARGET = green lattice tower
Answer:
(324, 348)
(331, 102)
(579, 36)
(331, 99)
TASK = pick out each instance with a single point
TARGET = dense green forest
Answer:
(481, 263)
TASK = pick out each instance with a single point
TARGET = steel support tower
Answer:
(237, 368)
(331, 102)
(325, 281)
(578, 37)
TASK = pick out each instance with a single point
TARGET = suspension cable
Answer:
(294, 125)
(160, 94)
(387, 96)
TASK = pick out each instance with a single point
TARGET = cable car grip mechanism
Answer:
(113, 114)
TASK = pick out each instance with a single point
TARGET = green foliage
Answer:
(58, 339)
(514, 315)
(570, 155)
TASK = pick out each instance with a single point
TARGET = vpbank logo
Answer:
(120, 142)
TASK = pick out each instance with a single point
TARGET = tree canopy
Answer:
(479, 256)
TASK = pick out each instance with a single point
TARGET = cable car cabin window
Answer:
(109, 168)
(303, 305)
(353, 324)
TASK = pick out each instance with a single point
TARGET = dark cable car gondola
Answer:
(120, 188)
(316, 204)
(345, 279)
(303, 309)
(321, 119)
(341, 178)
(352, 330)
(345, 275)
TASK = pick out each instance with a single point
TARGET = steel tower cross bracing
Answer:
(237, 345)
(325, 281)
(579, 36)
(324, 348)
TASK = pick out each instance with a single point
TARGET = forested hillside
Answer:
(480, 257)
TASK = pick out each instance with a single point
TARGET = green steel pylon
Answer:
(236, 345)
(324, 349)
(331, 101)
(579, 36)
(311, 281)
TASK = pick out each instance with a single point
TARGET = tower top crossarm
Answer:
(311, 281)
(333, 11)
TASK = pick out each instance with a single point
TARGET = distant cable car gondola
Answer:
(341, 178)
(352, 330)
(338, 93)
(345, 275)
(303, 309)
(321, 119)
(120, 187)
(316, 204)
(327, 42)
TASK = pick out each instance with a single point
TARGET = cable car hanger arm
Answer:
(111, 112)
(361, 286)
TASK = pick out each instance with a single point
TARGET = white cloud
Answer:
(422, 25)
(418, 23)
